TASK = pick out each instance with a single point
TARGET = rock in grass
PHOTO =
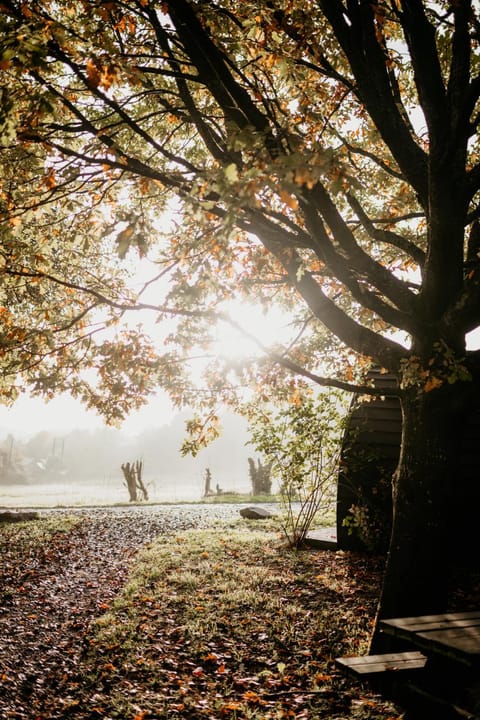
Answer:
(255, 513)
(14, 516)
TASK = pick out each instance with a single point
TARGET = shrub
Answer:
(301, 440)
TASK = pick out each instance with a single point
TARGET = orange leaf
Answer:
(211, 657)
(288, 199)
(232, 705)
(322, 678)
(50, 181)
(253, 697)
(93, 73)
(432, 383)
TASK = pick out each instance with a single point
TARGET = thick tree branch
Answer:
(333, 382)
(420, 37)
(232, 98)
(356, 34)
(392, 287)
(363, 340)
(386, 236)
(458, 86)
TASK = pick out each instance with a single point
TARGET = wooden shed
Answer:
(370, 452)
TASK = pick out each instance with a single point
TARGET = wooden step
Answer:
(371, 665)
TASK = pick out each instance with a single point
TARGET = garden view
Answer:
(268, 212)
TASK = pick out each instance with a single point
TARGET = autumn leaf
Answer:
(211, 657)
(432, 383)
(321, 677)
(288, 199)
(108, 667)
(252, 697)
(93, 73)
(123, 241)
(232, 705)
(49, 180)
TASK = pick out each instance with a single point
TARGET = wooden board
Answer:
(389, 662)
(453, 634)
(465, 640)
(425, 623)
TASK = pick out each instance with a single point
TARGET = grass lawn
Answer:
(227, 623)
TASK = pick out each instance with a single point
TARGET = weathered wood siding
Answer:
(370, 452)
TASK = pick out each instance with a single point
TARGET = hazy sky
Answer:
(31, 415)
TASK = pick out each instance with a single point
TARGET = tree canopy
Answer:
(311, 152)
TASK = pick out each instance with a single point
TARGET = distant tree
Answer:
(260, 477)
(39, 445)
(208, 483)
(12, 470)
(132, 472)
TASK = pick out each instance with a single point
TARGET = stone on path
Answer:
(255, 513)
(16, 516)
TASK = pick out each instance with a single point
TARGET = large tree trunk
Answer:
(416, 573)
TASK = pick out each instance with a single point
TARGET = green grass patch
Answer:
(226, 623)
(240, 498)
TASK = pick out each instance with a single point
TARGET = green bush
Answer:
(302, 441)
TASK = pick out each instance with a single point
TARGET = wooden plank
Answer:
(371, 423)
(389, 414)
(425, 623)
(456, 635)
(389, 662)
(462, 640)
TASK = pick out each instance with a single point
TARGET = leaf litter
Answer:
(133, 616)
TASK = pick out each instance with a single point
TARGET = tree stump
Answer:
(132, 473)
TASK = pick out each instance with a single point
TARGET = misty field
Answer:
(105, 491)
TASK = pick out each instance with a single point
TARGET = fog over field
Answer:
(83, 466)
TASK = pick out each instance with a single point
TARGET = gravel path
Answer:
(53, 597)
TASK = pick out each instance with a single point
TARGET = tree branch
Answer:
(386, 236)
(356, 33)
(392, 287)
